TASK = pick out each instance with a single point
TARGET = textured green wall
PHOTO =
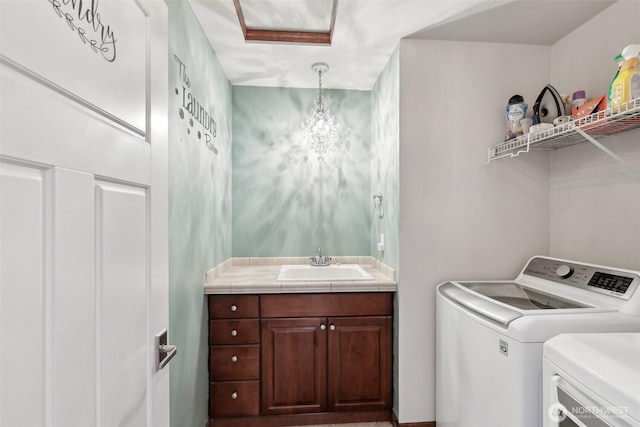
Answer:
(385, 152)
(286, 202)
(199, 204)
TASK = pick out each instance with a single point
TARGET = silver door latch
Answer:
(164, 351)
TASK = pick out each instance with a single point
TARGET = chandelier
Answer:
(319, 124)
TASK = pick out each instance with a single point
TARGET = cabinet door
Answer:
(359, 363)
(294, 365)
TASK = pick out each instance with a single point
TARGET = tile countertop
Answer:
(258, 276)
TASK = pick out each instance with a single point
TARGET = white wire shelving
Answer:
(612, 121)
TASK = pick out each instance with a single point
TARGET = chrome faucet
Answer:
(319, 260)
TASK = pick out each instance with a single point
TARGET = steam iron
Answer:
(548, 105)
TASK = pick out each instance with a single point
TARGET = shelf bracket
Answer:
(608, 152)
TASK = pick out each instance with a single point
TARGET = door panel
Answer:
(293, 365)
(359, 363)
(22, 295)
(70, 219)
(55, 30)
(121, 283)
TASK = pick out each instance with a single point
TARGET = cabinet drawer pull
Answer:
(323, 327)
(332, 327)
(234, 307)
(234, 333)
(234, 395)
(234, 358)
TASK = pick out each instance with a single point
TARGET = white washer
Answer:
(592, 380)
(490, 336)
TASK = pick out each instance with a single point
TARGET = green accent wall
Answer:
(287, 202)
(385, 159)
(199, 203)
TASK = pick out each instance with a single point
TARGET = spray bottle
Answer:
(626, 86)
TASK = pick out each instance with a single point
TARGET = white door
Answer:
(83, 212)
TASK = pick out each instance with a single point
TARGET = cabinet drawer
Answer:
(233, 306)
(235, 398)
(238, 362)
(242, 331)
(339, 304)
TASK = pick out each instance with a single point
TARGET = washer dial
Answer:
(564, 271)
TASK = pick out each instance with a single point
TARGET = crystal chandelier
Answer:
(319, 124)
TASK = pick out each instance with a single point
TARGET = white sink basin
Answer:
(328, 273)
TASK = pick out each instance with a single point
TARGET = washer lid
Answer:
(605, 363)
(521, 297)
(482, 307)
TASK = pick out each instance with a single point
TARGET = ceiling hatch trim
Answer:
(286, 36)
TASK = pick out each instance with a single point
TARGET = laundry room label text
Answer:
(84, 18)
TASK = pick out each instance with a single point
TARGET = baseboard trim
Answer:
(394, 421)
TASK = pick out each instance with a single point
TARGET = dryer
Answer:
(490, 335)
(592, 380)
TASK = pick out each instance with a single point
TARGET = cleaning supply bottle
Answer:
(626, 86)
(619, 61)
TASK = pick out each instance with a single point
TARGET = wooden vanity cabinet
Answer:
(300, 358)
(339, 360)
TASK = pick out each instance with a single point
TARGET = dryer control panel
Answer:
(618, 283)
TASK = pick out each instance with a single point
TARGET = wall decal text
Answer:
(86, 12)
(196, 111)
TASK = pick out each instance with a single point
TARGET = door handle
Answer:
(164, 352)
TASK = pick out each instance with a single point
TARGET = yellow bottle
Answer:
(626, 86)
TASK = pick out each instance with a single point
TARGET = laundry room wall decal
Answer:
(195, 109)
(88, 13)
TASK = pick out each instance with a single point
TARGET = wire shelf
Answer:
(612, 121)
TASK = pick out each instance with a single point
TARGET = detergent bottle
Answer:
(626, 86)
(619, 61)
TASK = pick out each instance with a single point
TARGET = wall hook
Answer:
(377, 204)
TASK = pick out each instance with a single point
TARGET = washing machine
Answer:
(490, 335)
(592, 380)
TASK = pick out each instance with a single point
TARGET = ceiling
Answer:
(366, 32)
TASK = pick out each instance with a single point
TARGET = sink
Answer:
(328, 273)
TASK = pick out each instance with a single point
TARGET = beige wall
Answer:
(460, 218)
(595, 202)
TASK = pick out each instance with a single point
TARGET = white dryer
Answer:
(592, 380)
(490, 336)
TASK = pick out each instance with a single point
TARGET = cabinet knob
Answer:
(234, 358)
(332, 327)
(323, 327)
(234, 307)
(234, 395)
(234, 333)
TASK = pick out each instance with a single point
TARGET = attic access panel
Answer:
(287, 21)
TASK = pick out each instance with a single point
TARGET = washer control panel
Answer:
(609, 281)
